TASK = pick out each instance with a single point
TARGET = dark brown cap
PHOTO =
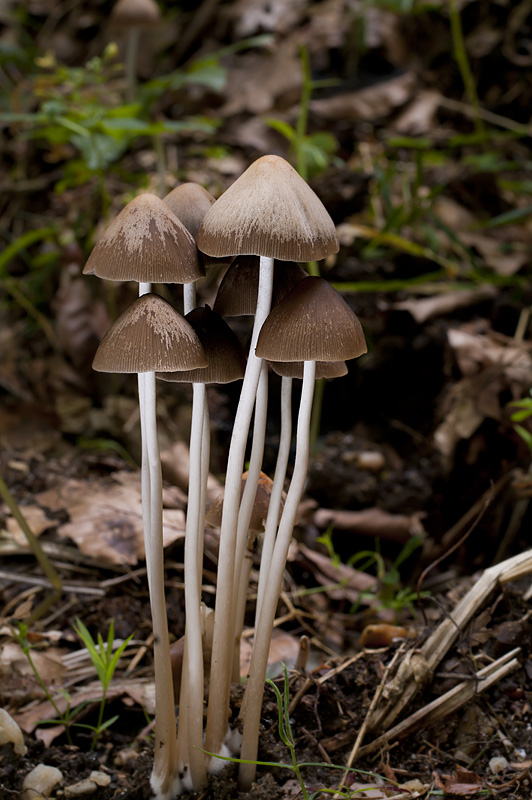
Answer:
(260, 506)
(269, 211)
(135, 13)
(189, 202)
(146, 243)
(226, 360)
(313, 323)
(324, 369)
(150, 336)
(237, 293)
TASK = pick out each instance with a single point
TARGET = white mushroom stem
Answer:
(222, 655)
(163, 779)
(272, 520)
(193, 700)
(189, 297)
(246, 509)
(259, 659)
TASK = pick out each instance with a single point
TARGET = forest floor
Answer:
(419, 483)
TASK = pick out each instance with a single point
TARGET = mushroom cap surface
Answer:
(146, 243)
(135, 13)
(226, 359)
(312, 323)
(269, 211)
(150, 336)
(189, 202)
(239, 287)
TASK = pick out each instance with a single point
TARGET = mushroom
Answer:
(151, 336)
(147, 243)
(225, 363)
(134, 16)
(269, 211)
(313, 323)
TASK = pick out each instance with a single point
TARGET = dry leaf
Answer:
(371, 522)
(37, 520)
(429, 307)
(106, 517)
(370, 103)
(352, 582)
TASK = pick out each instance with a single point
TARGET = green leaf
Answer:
(99, 150)
(515, 215)
(282, 127)
(525, 435)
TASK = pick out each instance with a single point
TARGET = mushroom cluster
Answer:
(302, 329)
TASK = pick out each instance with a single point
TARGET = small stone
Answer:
(414, 785)
(40, 781)
(498, 764)
(100, 778)
(371, 460)
(81, 788)
(10, 732)
(126, 755)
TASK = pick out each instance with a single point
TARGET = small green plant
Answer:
(310, 153)
(389, 592)
(287, 737)
(524, 412)
(105, 662)
(62, 718)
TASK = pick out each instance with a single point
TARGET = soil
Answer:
(417, 465)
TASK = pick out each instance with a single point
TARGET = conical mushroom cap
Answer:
(226, 360)
(313, 323)
(146, 243)
(150, 336)
(136, 13)
(269, 211)
(189, 202)
(324, 369)
(238, 290)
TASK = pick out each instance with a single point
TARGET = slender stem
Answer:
(259, 659)
(132, 47)
(246, 508)
(315, 420)
(189, 297)
(163, 777)
(165, 751)
(460, 54)
(222, 654)
(193, 639)
(47, 566)
(272, 520)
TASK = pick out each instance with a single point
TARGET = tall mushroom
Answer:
(313, 323)
(271, 212)
(226, 362)
(146, 243)
(151, 336)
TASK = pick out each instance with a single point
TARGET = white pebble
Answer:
(100, 778)
(81, 788)
(40, 782)
(10, 732)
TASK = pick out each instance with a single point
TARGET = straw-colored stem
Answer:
(259, 659)
(272, 520)
(222, 655)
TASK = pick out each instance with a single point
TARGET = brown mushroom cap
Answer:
(136, 13)
(226, 360)
(260, 506)
(313, 323)
(269, 211)
(146, 243)
(189, 202)
(324, 369)
(237, 293)
(149, 336)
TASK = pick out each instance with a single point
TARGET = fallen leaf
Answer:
(429, 307)
(37, 520)
(370, 103)
(106, 517)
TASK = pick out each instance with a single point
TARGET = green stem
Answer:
(462, 60)
(38, 552)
